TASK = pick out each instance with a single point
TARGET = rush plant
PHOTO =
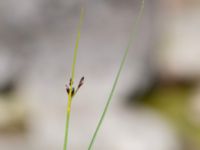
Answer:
(71, 91)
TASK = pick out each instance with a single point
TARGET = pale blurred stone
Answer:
(179, 54)
(12, 115)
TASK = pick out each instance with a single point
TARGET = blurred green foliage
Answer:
(172, 101)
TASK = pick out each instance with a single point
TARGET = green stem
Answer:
(77, 44)
(117, 76)
(68, 110)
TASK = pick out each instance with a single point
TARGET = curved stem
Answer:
(117, 76)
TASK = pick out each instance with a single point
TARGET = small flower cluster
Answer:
(73, 90)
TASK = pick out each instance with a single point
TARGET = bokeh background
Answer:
(157, 102)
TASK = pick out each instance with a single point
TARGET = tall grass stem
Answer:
(131, 40)
(68, 109)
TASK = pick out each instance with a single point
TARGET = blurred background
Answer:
(157, 102)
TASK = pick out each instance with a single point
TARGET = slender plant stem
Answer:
(77, 44)
(68, 109)
(117, 76)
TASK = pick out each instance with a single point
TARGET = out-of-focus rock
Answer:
(178, 57)
(13, 116)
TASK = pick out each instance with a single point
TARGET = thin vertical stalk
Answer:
(68, 109)
(77, 44)
(117, 76)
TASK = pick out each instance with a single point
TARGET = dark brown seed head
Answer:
(73, 90)
(67, 89)
(81, 82)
